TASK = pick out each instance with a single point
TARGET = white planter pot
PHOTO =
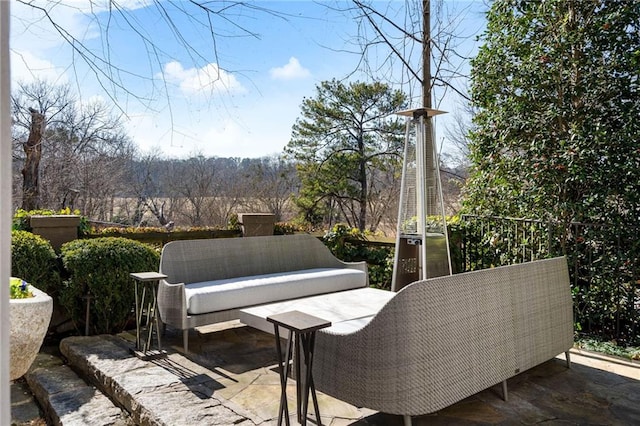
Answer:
(29, 319)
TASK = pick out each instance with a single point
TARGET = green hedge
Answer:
(33, 260)
(350, 245)
(100, 267)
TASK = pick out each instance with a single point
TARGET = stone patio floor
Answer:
(230, 378)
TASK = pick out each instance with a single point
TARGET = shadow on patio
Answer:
(231, 378)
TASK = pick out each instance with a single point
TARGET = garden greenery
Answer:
(100, 268)
(556, 90)
(19, 289)
(33, 260)
(350, 245)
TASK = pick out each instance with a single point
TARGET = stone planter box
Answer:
(256, 224)
(58, 229)
(29, 320)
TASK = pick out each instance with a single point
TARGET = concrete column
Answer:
(256, 224)
(5, 212)
(58, 229)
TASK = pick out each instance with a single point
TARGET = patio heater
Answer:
(422, 243)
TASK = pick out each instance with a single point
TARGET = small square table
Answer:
(148, 280)
(302, 331)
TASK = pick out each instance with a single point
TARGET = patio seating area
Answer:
(230, 377)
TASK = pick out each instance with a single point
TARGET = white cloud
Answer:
(31, 29)
(26, 68)
(218, 136)
(102, 5)
(292, 70)
(196, 80)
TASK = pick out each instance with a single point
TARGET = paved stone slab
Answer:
(68, 400)
(232, 379)
(24, 408)
(154, 392)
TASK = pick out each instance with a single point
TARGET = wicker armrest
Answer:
(172, 304)
(360, 266)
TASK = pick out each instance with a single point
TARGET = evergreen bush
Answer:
(342, 241)
(285, 228)
(33, 260)
(100, 268)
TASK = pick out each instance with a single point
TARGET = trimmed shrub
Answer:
(33, 260)
(344, 244)
(100, 268)
(285, 228)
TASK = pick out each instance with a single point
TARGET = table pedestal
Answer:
(302, 334)
(146, 302)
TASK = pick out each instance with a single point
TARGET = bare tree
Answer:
(83, 148)
(202, 191)
(458, 134)
(120, 82)
(419, 49)
(149, 187)
(271, 181)
(33, 155)
(406, 44)
(34, 107)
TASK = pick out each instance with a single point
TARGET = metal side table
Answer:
(147, 303)
(302, 331)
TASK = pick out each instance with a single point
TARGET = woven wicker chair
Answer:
(441, 340)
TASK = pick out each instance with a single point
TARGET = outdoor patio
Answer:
(231, 378)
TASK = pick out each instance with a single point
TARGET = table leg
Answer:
(143, 299)
(148, 310)
(138, 318)
(156, 318)
(307, 373)
(284, 372)
(308, 342)
(150, 319)
(298, 370)
(312, 387)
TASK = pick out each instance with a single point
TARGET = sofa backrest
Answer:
(450, 337)
(189, 261)
(543, 310)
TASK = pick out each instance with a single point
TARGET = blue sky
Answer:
(235, 94)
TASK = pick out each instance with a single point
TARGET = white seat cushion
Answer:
(220, 295)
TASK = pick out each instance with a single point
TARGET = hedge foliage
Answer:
(33, 260)
(344, 243)
(100, 267)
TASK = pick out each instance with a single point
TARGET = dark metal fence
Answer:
(604, 265)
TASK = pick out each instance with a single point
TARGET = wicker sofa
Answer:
(208, 281)
(441, 340)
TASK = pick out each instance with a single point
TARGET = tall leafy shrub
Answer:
(556, 86)
(33, 260)
(100, 268)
